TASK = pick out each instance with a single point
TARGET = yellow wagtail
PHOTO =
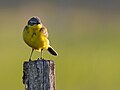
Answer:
(36, 36)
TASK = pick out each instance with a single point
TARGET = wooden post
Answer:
(39, 75)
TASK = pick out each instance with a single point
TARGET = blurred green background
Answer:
(85, 33)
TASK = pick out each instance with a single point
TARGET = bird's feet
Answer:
(30, 60)
(40, 58)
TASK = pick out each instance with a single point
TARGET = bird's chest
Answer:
(34, 35)
(37, 39)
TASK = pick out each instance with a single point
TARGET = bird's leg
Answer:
(41, 53)
(31, 54)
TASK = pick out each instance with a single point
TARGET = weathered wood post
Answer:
(39, 75)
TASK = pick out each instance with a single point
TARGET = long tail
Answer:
(52, 51)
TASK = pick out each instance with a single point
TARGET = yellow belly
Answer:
(35, 39)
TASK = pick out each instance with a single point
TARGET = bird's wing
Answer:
(25, 28)
(44, 31)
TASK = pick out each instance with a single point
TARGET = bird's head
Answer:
(35, 22)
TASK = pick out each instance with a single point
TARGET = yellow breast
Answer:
(35, 38)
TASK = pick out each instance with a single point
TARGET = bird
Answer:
(35, 35)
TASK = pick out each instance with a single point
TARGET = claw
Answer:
(30, 60)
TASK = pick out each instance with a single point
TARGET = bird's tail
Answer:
(52, 51)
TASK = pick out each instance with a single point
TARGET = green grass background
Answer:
(87, 40)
